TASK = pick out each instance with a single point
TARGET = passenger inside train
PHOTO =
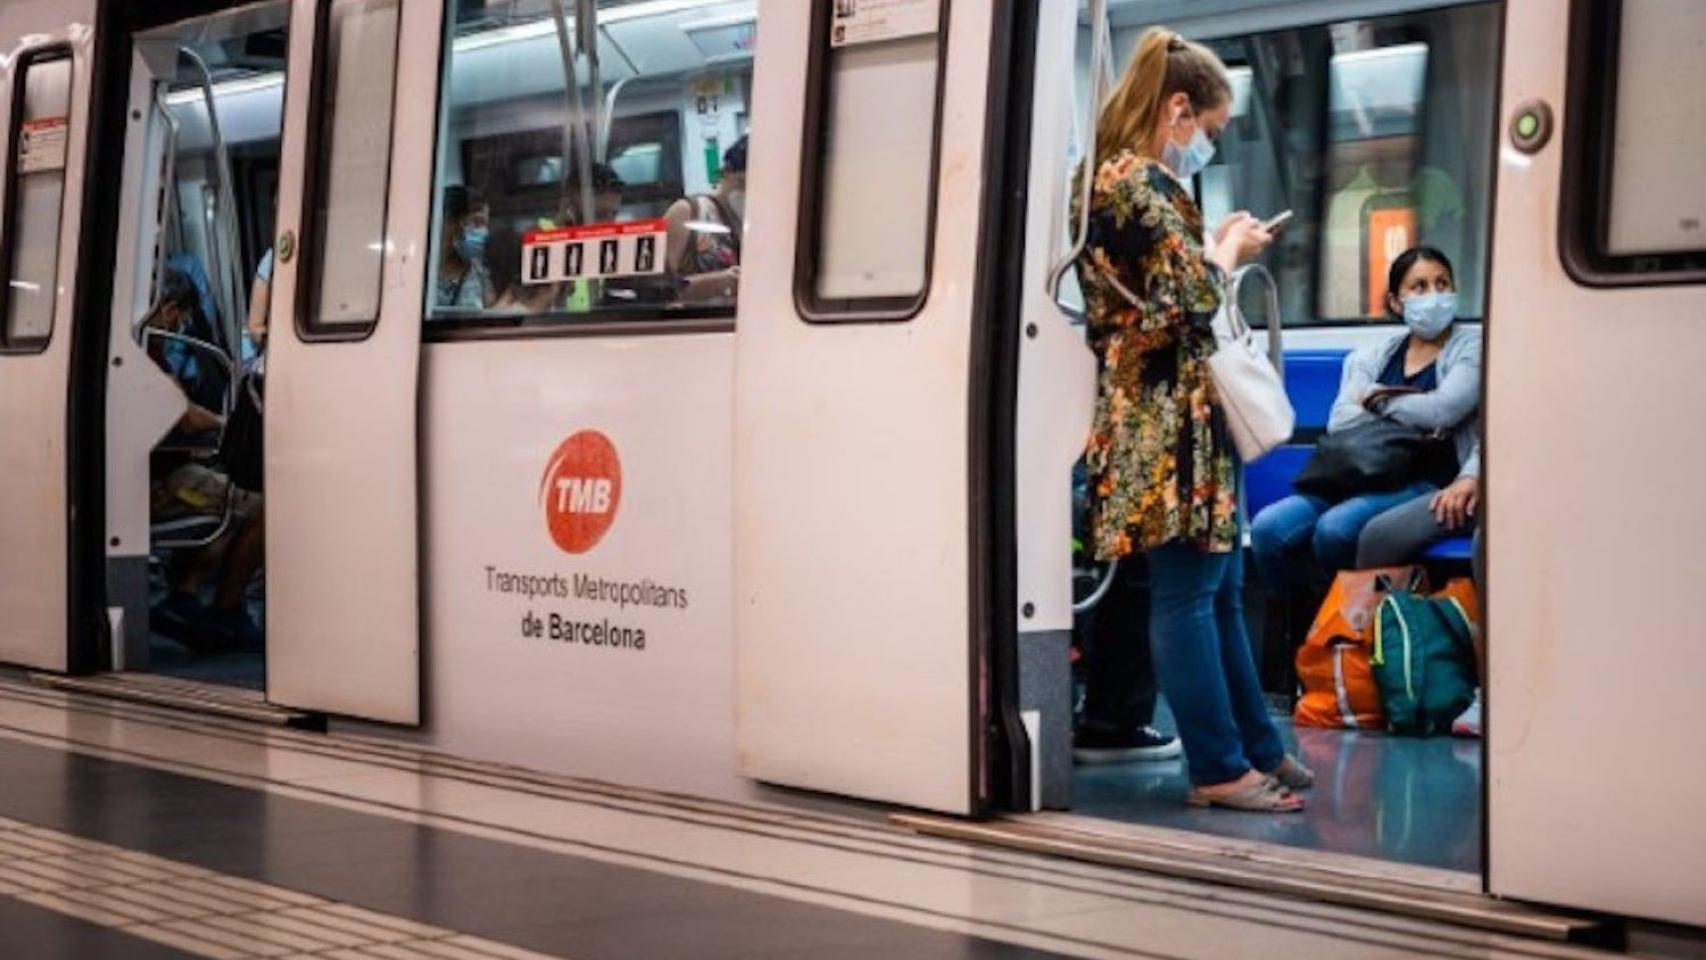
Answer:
(1427, 378)
(188, 485)
(1376, 133)
(464, 281)
(705, 233)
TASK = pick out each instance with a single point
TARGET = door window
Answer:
(35, 193)
(590, 173)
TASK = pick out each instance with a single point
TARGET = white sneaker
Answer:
(1468, 723)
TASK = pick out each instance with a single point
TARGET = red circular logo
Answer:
(581, 491)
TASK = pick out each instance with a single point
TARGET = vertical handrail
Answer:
(574, 127)
(168, 217)
(1099, 76)
(236, 307)
(608, 118)
(586, 24)
(1100, 51)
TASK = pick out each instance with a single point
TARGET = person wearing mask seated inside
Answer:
(182, 487)
(463, 280)
(1401, 534)
(1427, 378)
(705, 235)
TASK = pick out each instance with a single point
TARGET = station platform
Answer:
(133, 831)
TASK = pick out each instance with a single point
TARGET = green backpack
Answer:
(1424, 662)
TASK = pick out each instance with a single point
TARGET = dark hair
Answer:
(734, 159)
(459, 201)
(503, 258)
(1401, 269)
(177, 289)
(605, 179)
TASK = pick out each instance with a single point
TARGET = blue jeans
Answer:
(1290, 533)
(1202, 655)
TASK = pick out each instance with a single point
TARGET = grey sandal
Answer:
(1265, 795)
(1291, 774)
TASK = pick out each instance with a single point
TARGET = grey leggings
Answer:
(1399, 535)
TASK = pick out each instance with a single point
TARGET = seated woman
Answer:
(1400, 534)
(1428, 377)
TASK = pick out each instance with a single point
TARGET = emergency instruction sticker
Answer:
(41, 144)
(598, 251)
(871, 21)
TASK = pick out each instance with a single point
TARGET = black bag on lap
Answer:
(1376, 457)
(240, 447)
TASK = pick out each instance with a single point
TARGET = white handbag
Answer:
(1250, 384)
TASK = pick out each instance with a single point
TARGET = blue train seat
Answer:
(1312, 383)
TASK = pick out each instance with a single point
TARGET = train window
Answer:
(868, 196)
(1378, 135)
(35, 189)
(1634, 200)
(348, 182)
(590, 173)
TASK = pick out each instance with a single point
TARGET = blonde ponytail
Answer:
(1164, 64)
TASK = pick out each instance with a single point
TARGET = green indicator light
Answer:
(1527, 125)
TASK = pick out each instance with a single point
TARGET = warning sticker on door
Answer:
(598, 251)
(41, 144)
(870, 21)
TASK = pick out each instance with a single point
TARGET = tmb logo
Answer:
(581, 491)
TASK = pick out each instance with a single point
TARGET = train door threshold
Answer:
(189, 695)
(1402, 889)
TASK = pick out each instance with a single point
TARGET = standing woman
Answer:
(1164, 471)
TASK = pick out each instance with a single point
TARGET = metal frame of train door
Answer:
(111, 46)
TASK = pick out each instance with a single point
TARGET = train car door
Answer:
(1595, 513)
(342, 362)
(860, 655)
(45, 86)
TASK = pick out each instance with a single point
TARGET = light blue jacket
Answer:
(1454, 406)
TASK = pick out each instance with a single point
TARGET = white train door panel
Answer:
(855, 655)
(1595, 457)
(44, 84)
(343, 632)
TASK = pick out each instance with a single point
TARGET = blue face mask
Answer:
(1189, 160)
(1427, 315)
(472, 244)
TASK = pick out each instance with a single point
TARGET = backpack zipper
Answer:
(1404, 632)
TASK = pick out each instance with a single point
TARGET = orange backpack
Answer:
(1332, 665)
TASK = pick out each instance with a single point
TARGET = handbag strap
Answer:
(1228, 303)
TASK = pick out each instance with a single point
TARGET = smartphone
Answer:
(1276, 222)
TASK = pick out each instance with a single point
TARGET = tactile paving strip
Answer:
(211, 914)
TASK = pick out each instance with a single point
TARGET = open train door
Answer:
(1595, 516)
(862, 430)
(45, 86)
(343, 620)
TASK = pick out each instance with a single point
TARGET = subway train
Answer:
(687, 393)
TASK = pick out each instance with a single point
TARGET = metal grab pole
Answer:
(1101, 49)
(237, 297)
(575, 133)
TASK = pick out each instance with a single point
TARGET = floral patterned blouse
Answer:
(1162, 466)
